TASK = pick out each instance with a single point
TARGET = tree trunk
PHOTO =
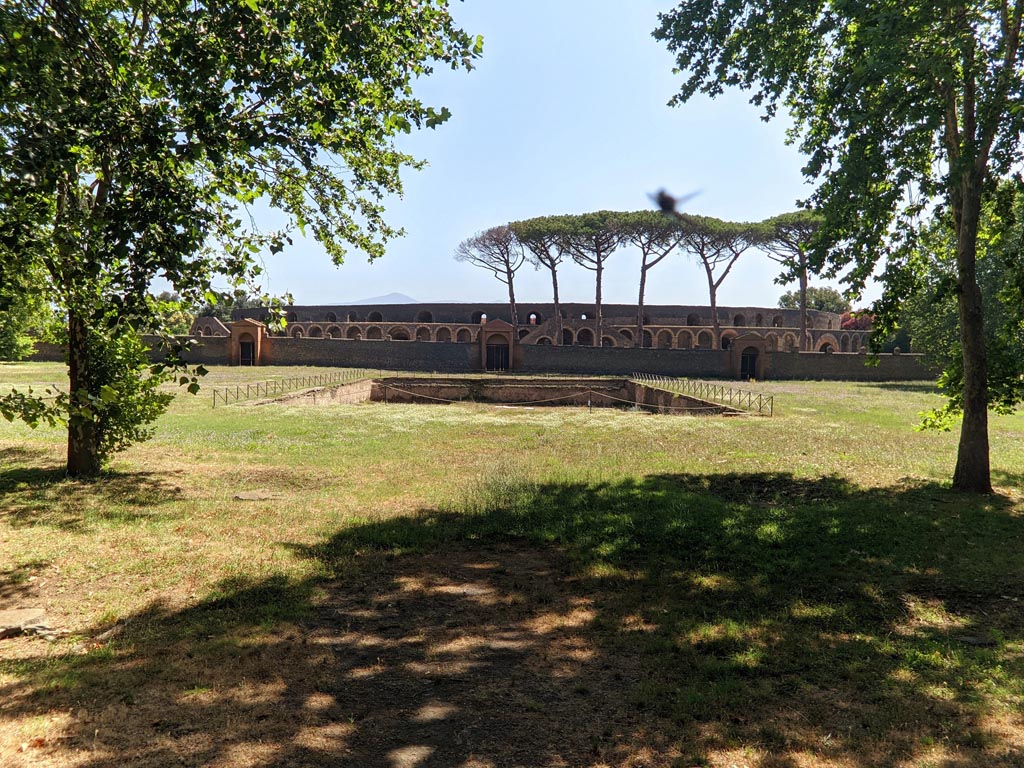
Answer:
(716, 328)
(558, 308)
(803, 302)
(83, 439)
(972, 458)
(640, 306)
(512, 302)
(597, 300)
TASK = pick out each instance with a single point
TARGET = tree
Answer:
(821, 299)
(887, 97)
(496, 250)
(135, 134)
(789, 239)
(929, 314)
(544, 239)
(23, 315)
(222, 304)
(656, 236)
(591, 239)
(718, 244)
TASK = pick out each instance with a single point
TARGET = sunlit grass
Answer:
(737, 563)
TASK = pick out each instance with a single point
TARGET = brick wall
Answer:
(617, 361)
(390, 355)
(847, 367)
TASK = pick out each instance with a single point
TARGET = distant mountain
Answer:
(390, 298)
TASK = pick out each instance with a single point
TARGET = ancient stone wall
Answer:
(848, 367)
(387, 355)
(617, 361)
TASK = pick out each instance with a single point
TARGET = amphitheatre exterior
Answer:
(665, 327)
(753, 342)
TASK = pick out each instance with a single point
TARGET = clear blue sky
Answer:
(565, 112)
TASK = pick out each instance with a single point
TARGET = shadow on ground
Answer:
(738, 619)
(36, 493)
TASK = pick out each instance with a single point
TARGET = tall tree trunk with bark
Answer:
(803, 302)
(558, 307)
(83, 438)
(597, 300)
(512, 299)
(716, 327)
(972, 471)
(640, 307)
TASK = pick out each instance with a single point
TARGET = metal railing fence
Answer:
(273, 387)
(762, 405)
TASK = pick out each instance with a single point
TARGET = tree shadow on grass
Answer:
(35, 492)
(918, 387)
(748, 619)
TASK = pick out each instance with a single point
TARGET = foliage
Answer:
(856, 321)
(822, 299)
(21, 315)
(222, 304)
(896, 105)
(929, 314)
(134, 136)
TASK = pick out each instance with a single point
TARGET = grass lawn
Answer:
(485, 587)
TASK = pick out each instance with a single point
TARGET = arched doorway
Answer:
(246, 349)
(748, 363)
(497, 352)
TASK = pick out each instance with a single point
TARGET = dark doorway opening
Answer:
(748, 363)
(497, 357)
(247, 350)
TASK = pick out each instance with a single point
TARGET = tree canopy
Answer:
(499, 252)
(896, 105)
(822, 299)
(135, 135)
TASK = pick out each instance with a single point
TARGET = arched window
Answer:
(524, 332)
(316, 332)
(607, 341)
(422, 334)
(534, 318)
(331, 318)
(334, 332)
(354, 333)
(648, 340)
(399, 334)
(627, 333)
(479, 317)
(463, 336)
(583, 316)
(585, 337)
(778, 322)
(543, 341)
(353, 317)
(684, 340)
(424, 317)
(296, 333)
(739, 320)
(374, 333)
(665, 339)
(567, 339)
(375, 317)
(444, 334)
(704, 340)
